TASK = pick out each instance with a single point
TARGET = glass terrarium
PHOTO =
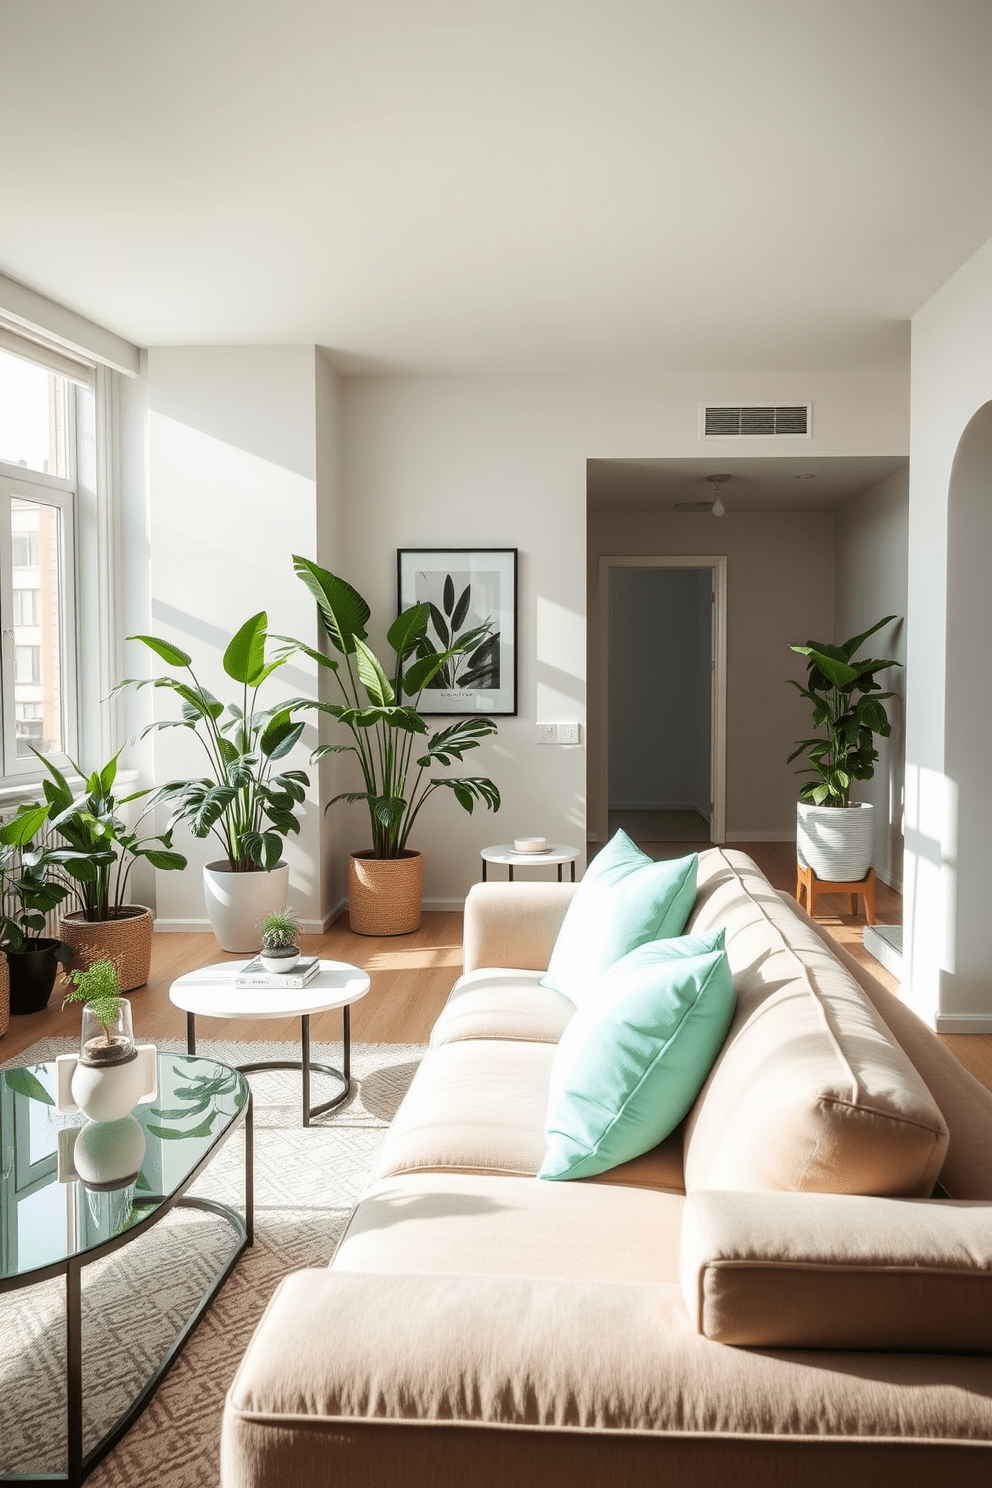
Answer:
(106, 1043)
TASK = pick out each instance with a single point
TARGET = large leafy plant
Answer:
(396, 750)
(847, 705)
(107, 849)
(30, 884)
(243, 799)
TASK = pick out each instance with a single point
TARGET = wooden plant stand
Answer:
(814, 887)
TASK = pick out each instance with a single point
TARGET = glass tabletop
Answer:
(68, 1185)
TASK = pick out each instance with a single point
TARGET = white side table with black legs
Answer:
(506, 854)
(210, 993)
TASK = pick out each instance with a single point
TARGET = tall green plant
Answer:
(107, 849)
(386, 732)
(243, 800)
(847, 704)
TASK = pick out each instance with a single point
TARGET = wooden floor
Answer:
(413, 974)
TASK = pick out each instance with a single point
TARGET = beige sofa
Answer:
(771, 1297)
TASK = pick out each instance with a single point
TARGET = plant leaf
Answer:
(169, 653)
(342, 609)
(244, 658)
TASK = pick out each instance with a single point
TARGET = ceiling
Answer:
(500, 185)
(780, 483)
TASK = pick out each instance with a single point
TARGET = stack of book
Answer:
(256, 975)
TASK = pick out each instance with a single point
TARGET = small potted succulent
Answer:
(111, 1074)
(280, 940)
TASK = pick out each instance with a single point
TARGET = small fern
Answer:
(100, 986)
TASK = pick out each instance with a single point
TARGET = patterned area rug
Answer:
(135, 1301)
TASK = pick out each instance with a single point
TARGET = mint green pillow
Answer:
(631, 1062)
(623, 900)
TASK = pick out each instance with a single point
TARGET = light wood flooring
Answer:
(413, 974)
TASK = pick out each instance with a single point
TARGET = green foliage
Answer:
(280, 928)
(99, 985)
(384, 729)
(847, 704)
(474, 659)
(250, 806)
(30, 885)
(106, 850)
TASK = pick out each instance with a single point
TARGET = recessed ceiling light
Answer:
(804, 477)
(693, 506)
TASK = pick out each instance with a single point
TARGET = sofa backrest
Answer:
(810, 1091)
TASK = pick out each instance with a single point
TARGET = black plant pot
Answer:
(32, 975)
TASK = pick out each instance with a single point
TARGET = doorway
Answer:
(663, 704)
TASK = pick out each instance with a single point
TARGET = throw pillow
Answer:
(631, 1062)
(623, 900)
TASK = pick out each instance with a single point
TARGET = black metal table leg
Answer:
(485, 865)
(190, 1033)
(250, 1170)
(74, 1375)
(307, 1066)
(511, 873)
(573, 870)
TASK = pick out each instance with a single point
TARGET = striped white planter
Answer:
(835, 841)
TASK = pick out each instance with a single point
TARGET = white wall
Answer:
(660, 645)
(231, 473)
(780, 591)
(948, 722)
(501, 462)
(872, 581)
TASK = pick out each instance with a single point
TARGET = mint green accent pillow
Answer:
(631, 1062)
(623, 900)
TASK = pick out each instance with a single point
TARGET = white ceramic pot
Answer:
(106, 1092)
(236, 902)
(277, 964)
(835, 841)
(108, 1154)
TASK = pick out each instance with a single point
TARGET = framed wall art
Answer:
(472, 592)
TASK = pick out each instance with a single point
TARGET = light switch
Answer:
(568, 733)
(546, 733)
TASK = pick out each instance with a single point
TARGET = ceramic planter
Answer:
(835, 841)
(279, 958)
(32, 975)
(384, 894)
(110, 1075)
(236, 902)
(126, 939)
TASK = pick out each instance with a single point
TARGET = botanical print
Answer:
(462, 604)
(471, 598)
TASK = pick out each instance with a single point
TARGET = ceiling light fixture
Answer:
(718, 482)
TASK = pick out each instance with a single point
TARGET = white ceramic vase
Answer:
(835, 841)
(106, 1092)
(236, 902)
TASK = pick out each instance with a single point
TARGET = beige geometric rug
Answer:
(307, 1182)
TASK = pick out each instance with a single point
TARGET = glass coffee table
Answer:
(53, 1222)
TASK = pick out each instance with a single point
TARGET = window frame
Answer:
(19, 483)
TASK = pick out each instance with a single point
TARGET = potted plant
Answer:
(834, 837)
(29, 891)
(280, 932)
(105, 924)
(395, 749)
(111, 1074)
(243, 799)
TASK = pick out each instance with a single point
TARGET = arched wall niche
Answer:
(966, 984)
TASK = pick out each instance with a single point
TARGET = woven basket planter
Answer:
(4, 995)
(384, 893)
(126, 940)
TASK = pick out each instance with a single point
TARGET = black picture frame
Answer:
(466, 587)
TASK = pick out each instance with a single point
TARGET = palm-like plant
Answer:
(247, 804)
(847, 702)
(386, 732)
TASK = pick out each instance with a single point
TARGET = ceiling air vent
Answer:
(724, 422)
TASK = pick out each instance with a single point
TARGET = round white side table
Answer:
(506, 853)
(210, 993)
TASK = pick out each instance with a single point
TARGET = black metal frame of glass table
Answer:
(305, 1064)
(80, 1464)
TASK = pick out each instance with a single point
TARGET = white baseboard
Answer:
(963, 1022)
(789, 836)
(445, 904)
(202, 926)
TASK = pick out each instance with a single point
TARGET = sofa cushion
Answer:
(838, 1272)
(502, 1003)
(623, 900)
(810, 1091)
(478, 1106)
(484, 1224)
(631, 1061)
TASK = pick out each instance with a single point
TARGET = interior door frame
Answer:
(718, 695)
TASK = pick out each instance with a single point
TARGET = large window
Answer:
(37, 562)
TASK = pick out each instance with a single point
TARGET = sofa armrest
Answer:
(513, 924)
(838, 1271)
